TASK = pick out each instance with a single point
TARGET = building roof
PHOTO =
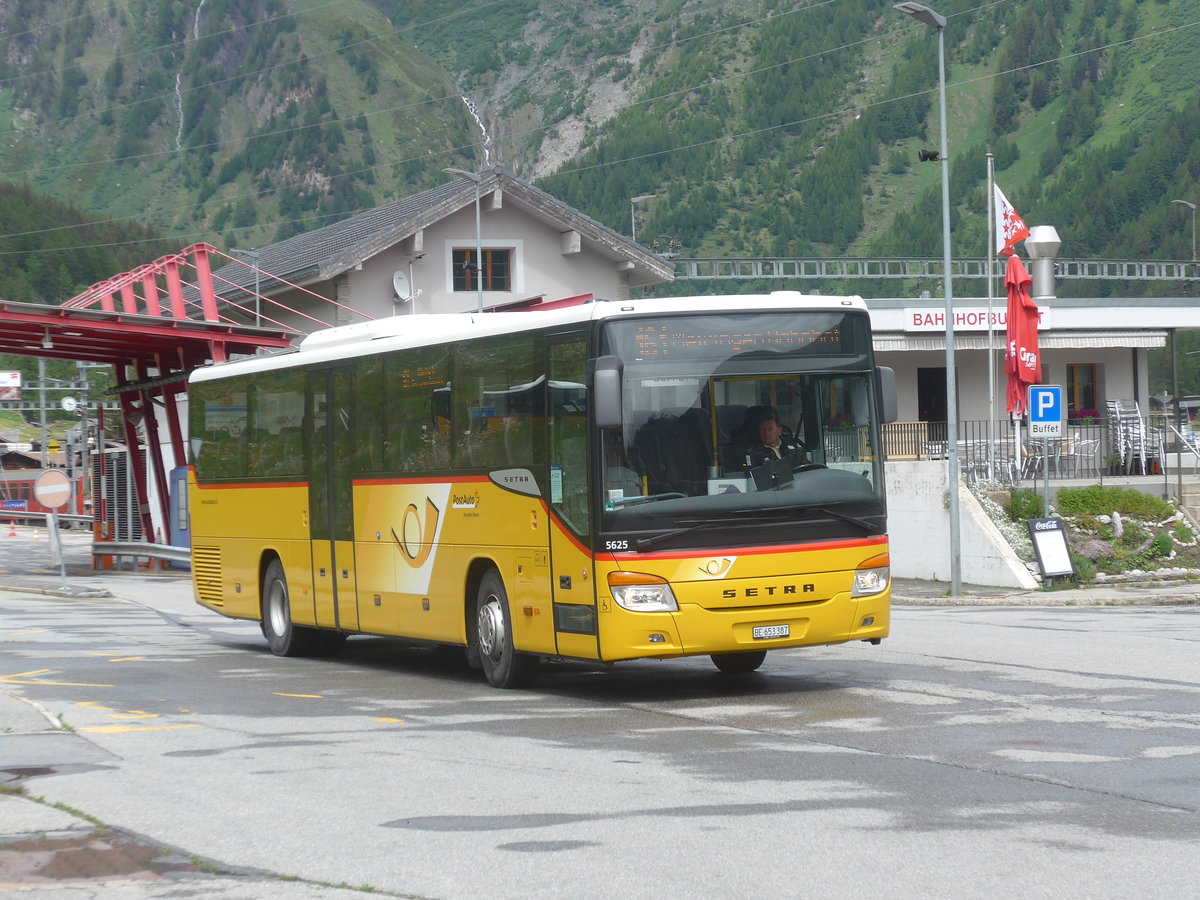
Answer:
(329, 251)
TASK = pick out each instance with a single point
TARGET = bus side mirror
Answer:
(885, 389)
(606, 391)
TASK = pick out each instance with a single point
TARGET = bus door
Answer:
(572, 569)
(331, 515)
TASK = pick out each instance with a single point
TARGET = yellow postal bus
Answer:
(577, 483)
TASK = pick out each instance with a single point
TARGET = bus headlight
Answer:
(638, 592)
(872, 576)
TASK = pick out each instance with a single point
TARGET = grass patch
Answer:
(1102, 500)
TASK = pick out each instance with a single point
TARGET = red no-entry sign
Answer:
(52, 489)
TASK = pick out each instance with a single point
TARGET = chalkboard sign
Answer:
(1049, 538)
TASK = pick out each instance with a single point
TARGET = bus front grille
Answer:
(206, 573)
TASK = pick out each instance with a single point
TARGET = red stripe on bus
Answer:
(251, 486)
(360, 482)
(759, 550)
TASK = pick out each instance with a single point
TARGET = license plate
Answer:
(766, 632)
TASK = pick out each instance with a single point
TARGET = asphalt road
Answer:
(981, 751)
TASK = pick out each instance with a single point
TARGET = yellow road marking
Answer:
(121, 729)
(21, 678)
(115, 714)
(23, 633)
(386, 719)
(303, 696)
(127, 659)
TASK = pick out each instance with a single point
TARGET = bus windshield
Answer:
(767, 418)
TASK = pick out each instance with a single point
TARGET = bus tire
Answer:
(502, 665)
(739, 663)
(283, 637)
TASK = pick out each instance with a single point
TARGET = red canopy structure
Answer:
(154, 325)
(1022, 361)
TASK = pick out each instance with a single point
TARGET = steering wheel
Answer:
(808, 467)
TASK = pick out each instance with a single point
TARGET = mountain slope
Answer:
(776, 128)
(763, 128)
(252, 120)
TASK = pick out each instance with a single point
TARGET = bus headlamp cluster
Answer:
(872, 577)
(638, 592)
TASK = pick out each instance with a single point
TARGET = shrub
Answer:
(1099, 500)
(1025, 504)
(1183, 533)
(1135, 535)
(1085, 569)
(1161, 546)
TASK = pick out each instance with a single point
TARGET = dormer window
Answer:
(496, 269)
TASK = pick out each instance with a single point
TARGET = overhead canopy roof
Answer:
(120, 338)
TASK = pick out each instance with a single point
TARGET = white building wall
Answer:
(919, 531)
(540, 267)
(1114, 374)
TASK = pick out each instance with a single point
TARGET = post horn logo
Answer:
(416, 537)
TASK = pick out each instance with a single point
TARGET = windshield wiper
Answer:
(767, 515)
(647, 542)
(867, 526)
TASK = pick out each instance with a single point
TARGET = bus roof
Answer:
(404, 332)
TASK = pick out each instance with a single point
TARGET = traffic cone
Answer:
(12, 527)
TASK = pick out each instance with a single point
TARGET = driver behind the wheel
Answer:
(771, 443)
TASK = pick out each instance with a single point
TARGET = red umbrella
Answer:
(1022, 362)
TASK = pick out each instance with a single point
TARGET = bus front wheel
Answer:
(739, 663)
(284, 638)
(503, 666)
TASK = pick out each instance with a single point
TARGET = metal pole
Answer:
(477, 180)
(84, 457)
(478, 252)
(1178, 420)
(951, 386)
(42, 406)
(633, 215)
(927, 16)
(991, 350)
(1192, 206)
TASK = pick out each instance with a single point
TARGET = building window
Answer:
(1081, 390)
(497, 269)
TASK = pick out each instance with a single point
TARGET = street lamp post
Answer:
(1192, 207)
(477, 180)
(632, 217)
(927, 16)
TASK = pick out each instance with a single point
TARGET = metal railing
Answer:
(1084, 451)
(711, 268)
(135, 550)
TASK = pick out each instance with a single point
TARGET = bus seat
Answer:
(685, 450)
(730, 419)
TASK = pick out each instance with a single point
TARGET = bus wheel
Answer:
(503, 666)
(284, 638)
(739, 663)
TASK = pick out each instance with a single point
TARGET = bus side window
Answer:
(417, 393)
(568, 430)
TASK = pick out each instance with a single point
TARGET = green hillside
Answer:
(776, 128)
(766, 128)
(234, 122)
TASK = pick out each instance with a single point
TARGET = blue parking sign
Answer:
(1045, 410)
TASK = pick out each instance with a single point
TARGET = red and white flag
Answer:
(1022, 360)
(1009, 227)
